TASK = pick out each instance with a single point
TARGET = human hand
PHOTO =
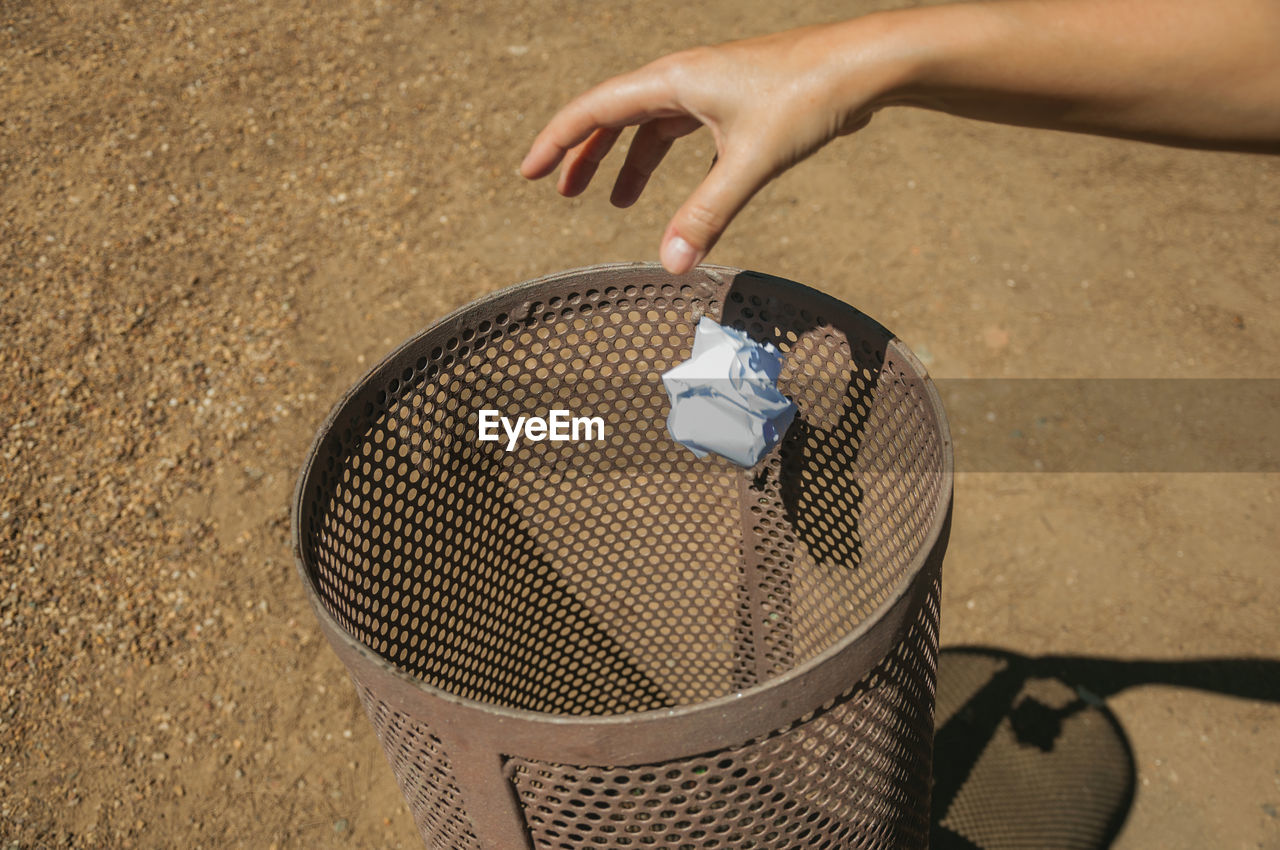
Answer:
(769, 103)
(1201, 75)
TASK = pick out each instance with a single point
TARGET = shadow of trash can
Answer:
(607, 642)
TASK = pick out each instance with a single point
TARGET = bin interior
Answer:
(621, 575)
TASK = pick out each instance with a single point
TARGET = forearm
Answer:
(1201, 73)
(1186, 72)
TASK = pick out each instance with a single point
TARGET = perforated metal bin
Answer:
(615, 644)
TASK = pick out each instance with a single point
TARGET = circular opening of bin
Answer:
(616, 572)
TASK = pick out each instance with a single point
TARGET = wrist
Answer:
(903, 57)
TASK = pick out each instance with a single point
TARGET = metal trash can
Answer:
(608, 642)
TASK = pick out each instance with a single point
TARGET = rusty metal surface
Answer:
(593, 644)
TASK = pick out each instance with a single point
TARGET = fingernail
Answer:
(678, 256)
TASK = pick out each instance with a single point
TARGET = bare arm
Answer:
(1180, 72)
(1183, 72)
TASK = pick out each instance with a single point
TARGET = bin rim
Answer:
(638, 737)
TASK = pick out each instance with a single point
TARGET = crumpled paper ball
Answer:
(725, 398)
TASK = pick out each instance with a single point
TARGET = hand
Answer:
(768, 102)
(1183, 73)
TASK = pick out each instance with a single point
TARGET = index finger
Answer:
(632, 98)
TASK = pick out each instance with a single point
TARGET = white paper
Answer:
(725, 398)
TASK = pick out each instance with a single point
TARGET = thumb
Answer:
(698, 224)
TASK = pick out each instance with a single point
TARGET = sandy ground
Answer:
(216, 215)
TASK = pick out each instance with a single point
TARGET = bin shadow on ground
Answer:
(1027, 754)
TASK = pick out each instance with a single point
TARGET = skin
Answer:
(1179, 72)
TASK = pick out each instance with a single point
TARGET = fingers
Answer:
(698, 224)
(629, 99)
(580, 164)
(583, 131)
(650, 145)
